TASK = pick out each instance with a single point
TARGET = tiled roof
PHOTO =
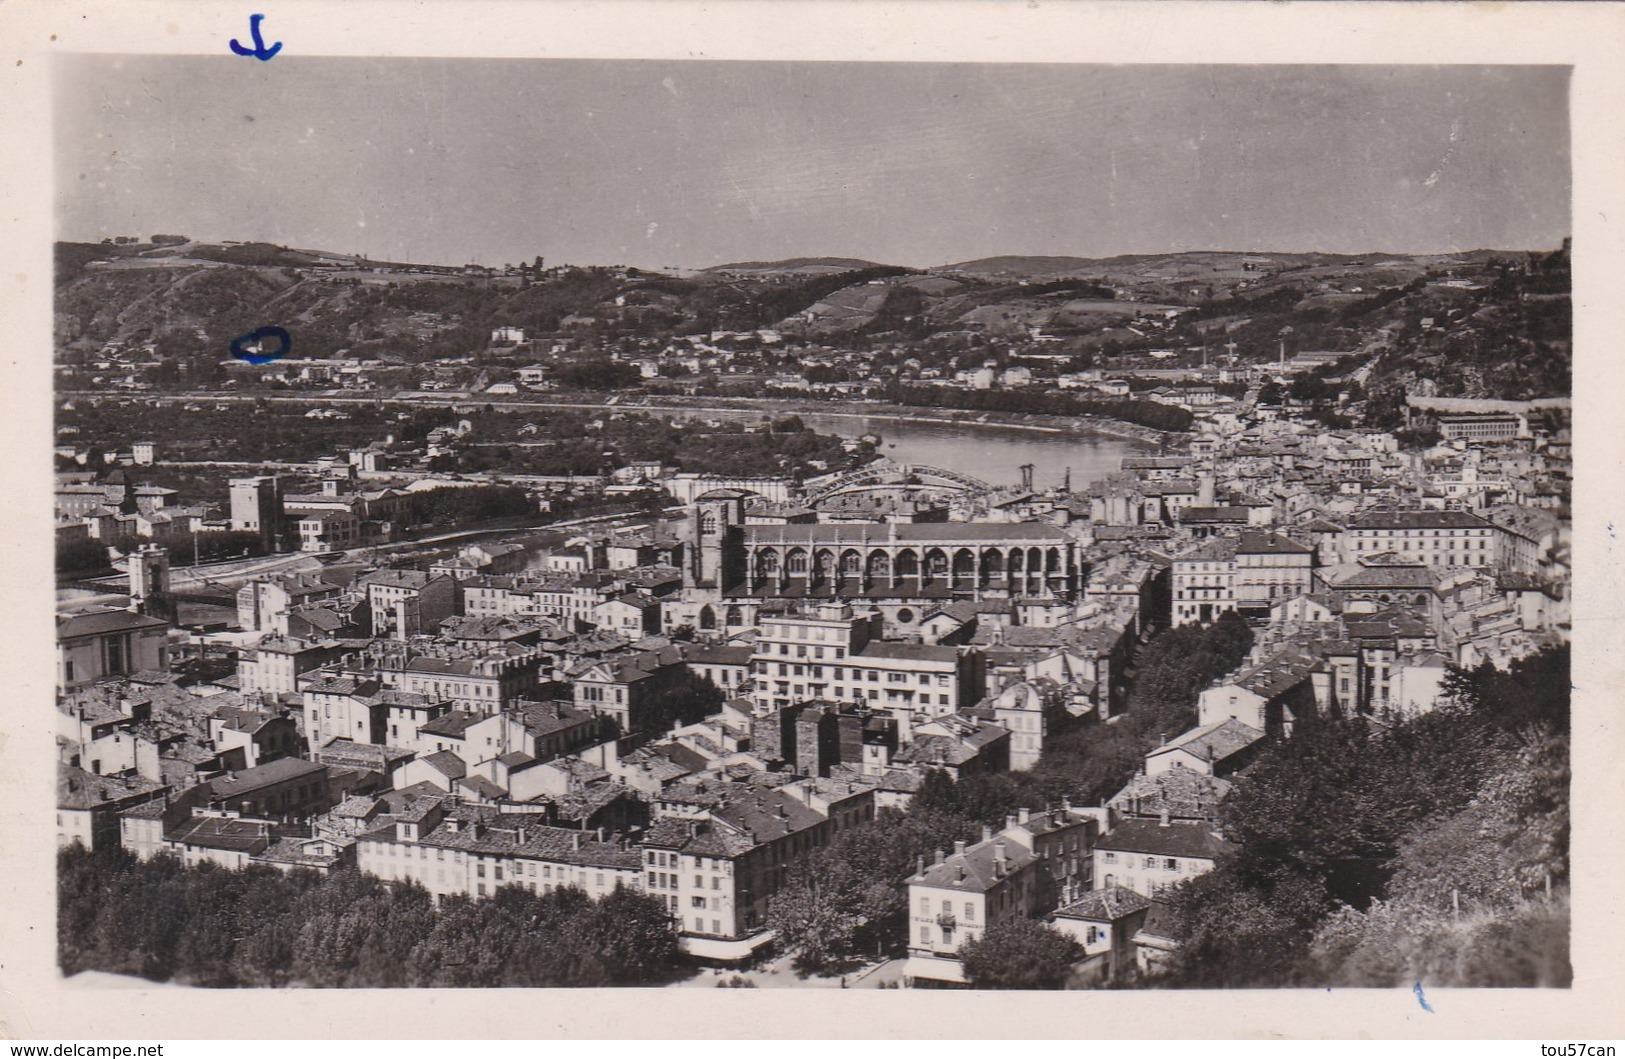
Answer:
(543, 718)
(1161, 922)
(501, 835)
(97, 623)
(481, 786)
(1418, 520)
(1270, 544)
(1219, 549)
(976, 870)
(935, 750)
(446, 763)
(1213, 514)
(1279, 673)
(452, 725)
(219, 832)
(1106, 905)
(79, 789)
(1385, 576)
(720, 655)
(1215, 742)
(261, 776)
(394, 579)
(917, 652)
(1177, 838)
(1183, 793)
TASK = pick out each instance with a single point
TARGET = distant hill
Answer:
(1024, 265)
(1487, 324)
(1040, 266)
(802, 265)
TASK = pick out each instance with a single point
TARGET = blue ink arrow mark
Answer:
(259, 50)
(251, 347)
(1422, 998)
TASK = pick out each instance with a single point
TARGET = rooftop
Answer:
(978, 869)
(1215, 742)
(261, 776)
(1407, 520)
(79, 789)
(102, 622)
(1176, 838)
(1106, 905)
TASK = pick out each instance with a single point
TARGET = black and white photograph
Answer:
(704, 523)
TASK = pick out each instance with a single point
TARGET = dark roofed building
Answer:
(285, 787)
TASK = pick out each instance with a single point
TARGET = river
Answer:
(992, 453)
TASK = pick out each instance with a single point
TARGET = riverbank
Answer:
(1081, 426)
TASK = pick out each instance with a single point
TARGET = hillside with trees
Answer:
(1481, 324)
(1379, 853)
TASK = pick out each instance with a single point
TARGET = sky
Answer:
(659, 164)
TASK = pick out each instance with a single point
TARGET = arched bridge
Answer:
(879, 474)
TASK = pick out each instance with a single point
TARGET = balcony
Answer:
(946, 921)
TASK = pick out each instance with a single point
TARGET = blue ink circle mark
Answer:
(259, 354)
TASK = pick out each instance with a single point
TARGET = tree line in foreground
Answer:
(215, 927)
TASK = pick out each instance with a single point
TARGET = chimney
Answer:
(1009, 822)
(941, 856)
(1023, 815)
(521, 836)
(1000, 864)
(959, 847)
(987, 833)
(1066, 803)
(919, 864)
(1165, 820)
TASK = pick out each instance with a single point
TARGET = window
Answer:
(1171, 864)
(1111, 858)
(696, 902)
(925, 935)
(970, 910)
(925, 906)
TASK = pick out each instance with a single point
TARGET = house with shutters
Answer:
(1150, 856)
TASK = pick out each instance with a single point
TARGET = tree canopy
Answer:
(209, 926)
(1020, 954)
